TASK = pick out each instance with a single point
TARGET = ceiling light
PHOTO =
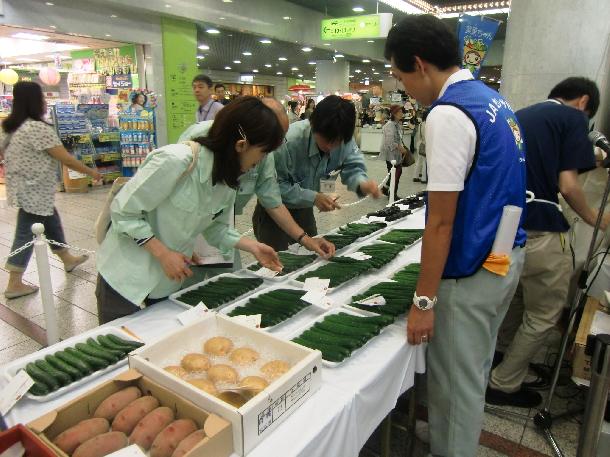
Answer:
(294, 69)
(237, 61)
(366, 61)
(326, 44)
(483, 77)
(203, 47)
(113, 16)
(279, 73)
(338, 56)
(108, 35)
(49, 3)
(30, 36)
(167, 5)
(311, 63)
(306, 49)
(387, 65)
(247, 53)
(227, 68)
(52, 26)
(357, 9)
(370, 41)
(200, 57)
(255, 71)
(227, 1)
(265, 41)
(402, 5)
(286, 18)
(268, 65)
(213, 31)
(375, 72)
(222, 18)
(351, 76)
(300, 75)
(282, 58)
(358, 71)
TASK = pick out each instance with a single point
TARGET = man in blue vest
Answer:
(476, 166)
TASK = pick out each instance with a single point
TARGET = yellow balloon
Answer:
(9, 76)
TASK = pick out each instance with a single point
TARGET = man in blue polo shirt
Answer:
(476, 166)
(555, 133)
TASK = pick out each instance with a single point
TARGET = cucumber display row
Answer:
(414, 201)
(405, 237)
(73, 363)
(220, 291)
(340, 241)
(398, 295)
(343, 269)
(274, 307)
(338, 335)
(359, 230)
(390, 213)
(291, 262)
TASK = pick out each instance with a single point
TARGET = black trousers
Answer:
(111, 305)
(268, 232)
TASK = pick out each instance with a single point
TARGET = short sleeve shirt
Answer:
(31, 173)
(556, 140)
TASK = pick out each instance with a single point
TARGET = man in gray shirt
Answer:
(202, 90)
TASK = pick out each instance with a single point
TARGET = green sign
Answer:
(347, 28)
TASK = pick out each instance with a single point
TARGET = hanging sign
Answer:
(476, 34)
(119, 81)
(353, 27)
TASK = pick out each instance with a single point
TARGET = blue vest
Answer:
(496, 178)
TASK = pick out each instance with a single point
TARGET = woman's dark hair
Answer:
(293, 106)
(28, 103)
(576, 87)
(334, 119)
(426, 37)
(260, 126)
(135, 96)
(309, 102)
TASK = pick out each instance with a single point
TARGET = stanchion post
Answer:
(597, 398)
(46, 287)
(392, 181)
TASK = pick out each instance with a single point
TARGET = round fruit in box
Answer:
(222, 373)
(275, 369)
(195, 362)
(255, 384)
(177, 371)
(219, 345)
(205, 385)
(244, 356)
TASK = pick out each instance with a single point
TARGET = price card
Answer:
(266, 273)
(129, 451)
(252, 321)
(319, 299)
(373, 300)
(316, 284)
(194, 314)
(358, 256)
(13, 392)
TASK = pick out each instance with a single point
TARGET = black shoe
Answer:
(416, 180)
(523, 398)
(543, 377)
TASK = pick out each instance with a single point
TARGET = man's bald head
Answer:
(279, 110)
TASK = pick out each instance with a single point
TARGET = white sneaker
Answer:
(422, 431)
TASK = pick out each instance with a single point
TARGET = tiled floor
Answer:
(75, 302)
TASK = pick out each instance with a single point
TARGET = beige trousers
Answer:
(535, 308)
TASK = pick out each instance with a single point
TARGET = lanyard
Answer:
(530, 197)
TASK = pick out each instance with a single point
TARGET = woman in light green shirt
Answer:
(158, 214)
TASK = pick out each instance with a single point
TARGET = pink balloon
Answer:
(49, 76)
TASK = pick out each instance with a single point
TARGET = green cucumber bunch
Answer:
(340, 241)
(218, 292)
(360, 230)
(274, 307)
(73, 363)
(291, 262)
(338, 335)
(405, 237)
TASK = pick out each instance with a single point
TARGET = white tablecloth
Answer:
(353, 399)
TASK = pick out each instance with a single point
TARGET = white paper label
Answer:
(76, 174)
(194, 314)
(373, 300)
(129, 451)
(358, 256)
(375, 219)
(316, 284)
(266, 273)
(252, 321)
(319, 299)
(13, 392)
(327, 186)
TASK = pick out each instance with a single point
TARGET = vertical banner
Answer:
(475, 35)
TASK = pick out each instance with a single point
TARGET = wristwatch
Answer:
(422, 302)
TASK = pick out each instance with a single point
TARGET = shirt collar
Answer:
(205, 108)
(460, 75)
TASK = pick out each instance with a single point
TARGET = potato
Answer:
(116, 402)
(150, 426)
(167, 441)
(222, 373)
(189, 443)
(73, 437)
(195, 362)
(204, 384)
(254, 383)
(244, 356)
(101, 445)
(275, 369)
(128, 417)
(177, 371)
(219, 345)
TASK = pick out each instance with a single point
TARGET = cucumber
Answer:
(77, 363)
(62, 378)
(42, 377)
(107, 343)
(115, 339)
(39, 389)
(95, 362)
(94, 352)
(60, 365)
(119, 353)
